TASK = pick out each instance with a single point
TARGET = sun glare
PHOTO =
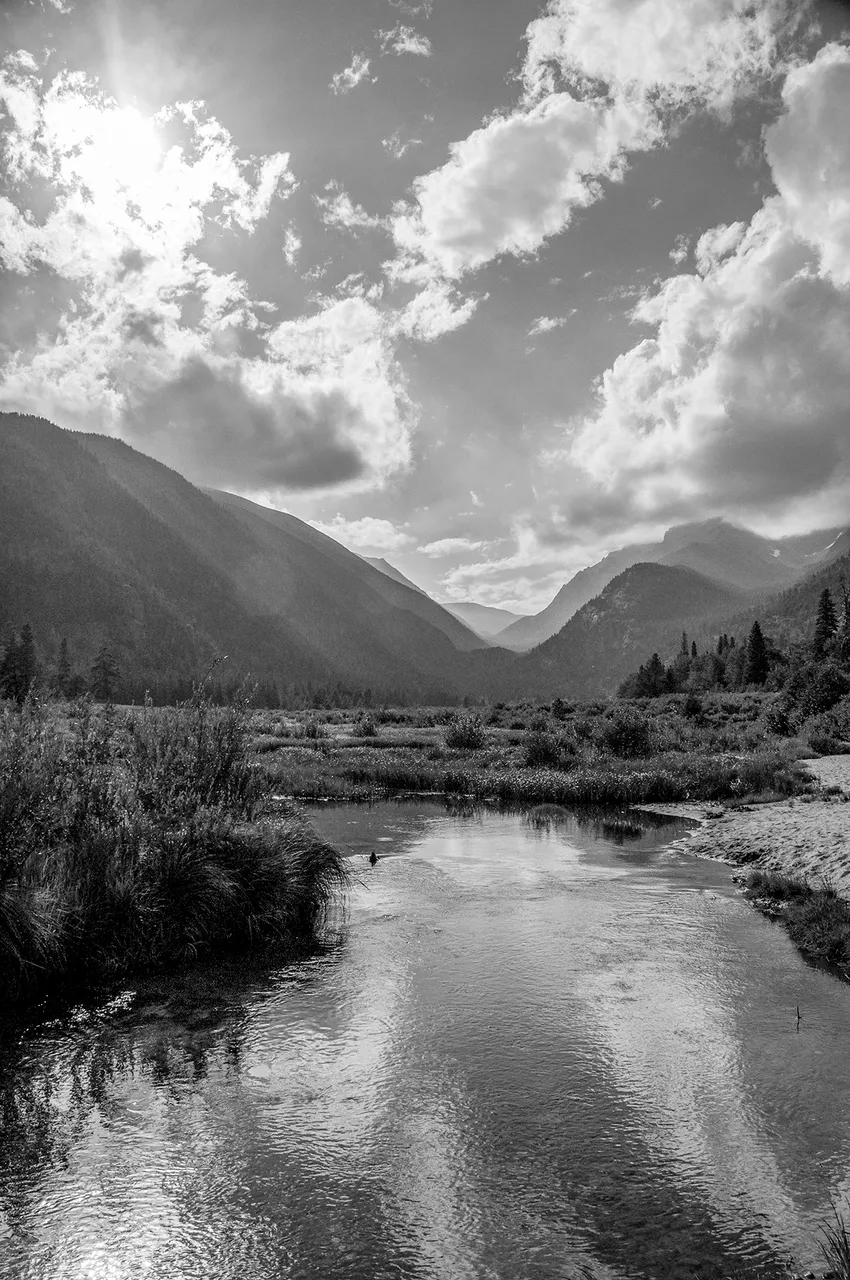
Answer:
(107, 148)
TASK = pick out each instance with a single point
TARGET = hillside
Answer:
(384, 566)
(100, 543)
(637, 613)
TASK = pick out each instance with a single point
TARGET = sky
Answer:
(485, 288)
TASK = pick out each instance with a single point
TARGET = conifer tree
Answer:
(693, 648)
(756, 669)
(826, 624)
(63, 670)
(104, 674)
(9, 668)
(27, 665)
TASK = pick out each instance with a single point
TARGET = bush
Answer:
(366, 728)
(465, 731)
(626, 732)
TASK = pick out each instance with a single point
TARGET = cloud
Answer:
(452, 547)
(433, 312)
(680, 250)
(545, 324)
(396, 148)
(421, 10)
(738, 404)
(352, 75)
(208, 420)
(708, 52)
(291, 245)
(338, 210)
(368, 534)
(601, 78)
(137, 336)
(517, 181)
(401, 39)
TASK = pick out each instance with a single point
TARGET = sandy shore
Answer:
(807, 838)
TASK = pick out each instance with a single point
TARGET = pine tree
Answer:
(63, 670)
(757, 660)
(9, 669)
(693, 648)
(685, 643)
(104, 674)
(27, 664)
(826, 624)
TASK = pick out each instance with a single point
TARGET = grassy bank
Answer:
(817, 919)
(594, 754)
(141, 839)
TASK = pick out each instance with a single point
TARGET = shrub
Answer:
(626, 732)
(366, 727)
(465, 731)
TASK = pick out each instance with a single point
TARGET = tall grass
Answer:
(817, 919)
(139, 841)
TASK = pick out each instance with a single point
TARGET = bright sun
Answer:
(109, 149)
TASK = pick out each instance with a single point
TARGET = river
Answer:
(529, 1050)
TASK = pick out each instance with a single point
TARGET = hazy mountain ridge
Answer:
(733, 556)
(612, 634)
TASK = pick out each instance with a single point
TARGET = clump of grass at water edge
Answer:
(817, 919)
(141, 839)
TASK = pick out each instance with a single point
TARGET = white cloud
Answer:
(396, 148)
(516, 181)
(149, 342)
(738, 405)
(434, 311)
(401, 39)
(545, 324)
(706, 51)
(600, 79)
(291, 245)
(338, 210)
(809, 153)
(452, 547)
(352, 75)
(680, 249)
(368, 534)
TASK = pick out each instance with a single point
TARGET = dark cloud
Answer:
(206, 423)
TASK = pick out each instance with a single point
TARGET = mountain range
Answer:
(101, 544)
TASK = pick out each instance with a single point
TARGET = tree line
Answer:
(815, 674)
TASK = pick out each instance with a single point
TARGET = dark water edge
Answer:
(527, 1050)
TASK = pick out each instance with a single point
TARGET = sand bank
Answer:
(804, 837)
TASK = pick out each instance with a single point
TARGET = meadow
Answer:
(714, 748)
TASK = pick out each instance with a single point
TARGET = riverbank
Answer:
(804, 837)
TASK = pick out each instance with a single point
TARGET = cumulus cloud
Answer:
(517, 180)
(452, 547)
(368, 534)
(352, 75)
(738, 404)
(706, 51)
(148, 341)
(401, 39)
(600, 79)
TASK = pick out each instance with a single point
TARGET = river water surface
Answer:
(533, 1051)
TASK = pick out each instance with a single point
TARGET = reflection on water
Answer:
(542, 1046)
